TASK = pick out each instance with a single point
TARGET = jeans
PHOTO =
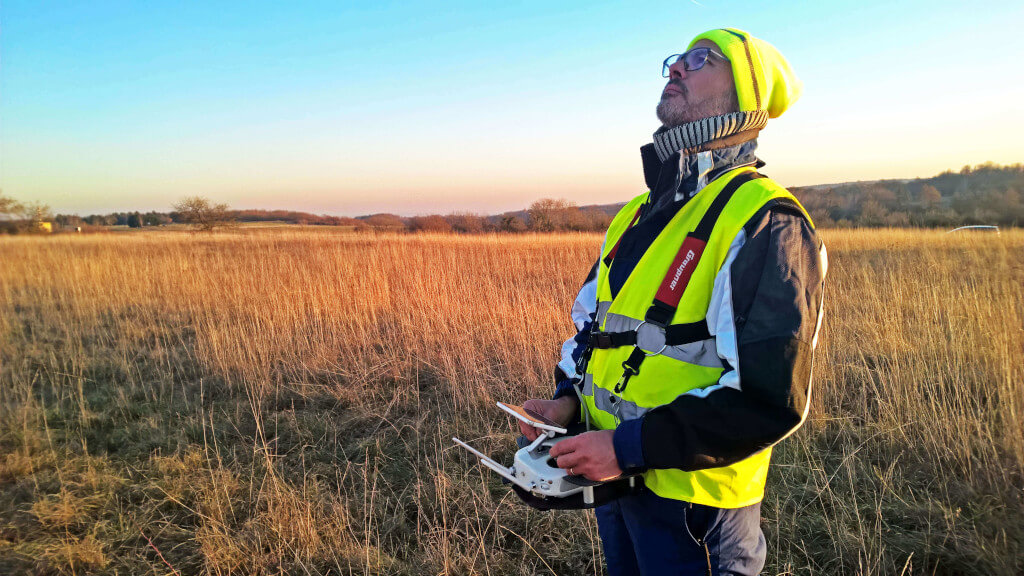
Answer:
(645, 534)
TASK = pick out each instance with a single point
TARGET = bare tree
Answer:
(35, 214)
(466, 222)
(32, 217)
(930, 196)
(512, 223)
(9, 206)
(385, 221)
(432, 223)
(203, 214)
(550, 215)
(9, 209)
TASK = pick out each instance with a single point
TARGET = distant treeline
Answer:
(983, 194)
(546, 215)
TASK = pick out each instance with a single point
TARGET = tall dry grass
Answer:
(281, 402)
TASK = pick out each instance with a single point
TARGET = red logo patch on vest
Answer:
(681, 270)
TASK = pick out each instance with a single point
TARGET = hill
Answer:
(984, 194)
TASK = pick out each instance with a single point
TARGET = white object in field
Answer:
(979, 227)
(533, 469)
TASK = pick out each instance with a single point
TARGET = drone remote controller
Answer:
(540, 482)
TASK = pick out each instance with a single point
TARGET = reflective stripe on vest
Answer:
(651, 337)
(679, 369)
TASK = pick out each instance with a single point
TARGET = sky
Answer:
(352, 108)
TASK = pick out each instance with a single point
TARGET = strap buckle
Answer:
(583, 360)
(630, 368)
(659, 314)
(637, 332)
(627, 373)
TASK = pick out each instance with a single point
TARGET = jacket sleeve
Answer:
(765, 314)
(584, 311)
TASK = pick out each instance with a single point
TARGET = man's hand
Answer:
(591, 454)
(561, 411)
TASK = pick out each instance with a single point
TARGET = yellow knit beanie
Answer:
(764, 80)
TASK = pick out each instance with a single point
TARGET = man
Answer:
(696, 325)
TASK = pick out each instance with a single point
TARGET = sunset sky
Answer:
(421, 107)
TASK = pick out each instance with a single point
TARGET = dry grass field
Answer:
(281, 402)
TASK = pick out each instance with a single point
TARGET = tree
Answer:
(154, 218)
(134, 220)
(511, 223)
(897, 220)
(32, 216)
(548, 214)
(432, 223)
(872, 214)
(100, 220)
(466, 222)
(68, 220)
(203, 214)
(902, 192)
(597, 219)
(1013, 207)
(354, 223)
(930, 197)
(821, 218)
(385, 221)
(9, 206)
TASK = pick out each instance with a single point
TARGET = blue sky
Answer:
(351, 108)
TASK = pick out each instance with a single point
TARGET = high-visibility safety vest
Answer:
(651, 342)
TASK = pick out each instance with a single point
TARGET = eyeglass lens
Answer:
(692, 60)
(695, 59)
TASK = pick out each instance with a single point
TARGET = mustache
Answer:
(678, 84)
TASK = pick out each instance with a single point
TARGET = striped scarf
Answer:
(688, 137)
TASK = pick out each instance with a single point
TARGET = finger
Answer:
(564, 447)
(524, 427)
(573, 460)
(528, 430)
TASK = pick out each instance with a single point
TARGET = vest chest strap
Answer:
(669, 294)
(675, 335)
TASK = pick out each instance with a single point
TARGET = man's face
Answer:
(695, 94)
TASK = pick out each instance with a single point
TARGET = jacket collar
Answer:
(681, 176)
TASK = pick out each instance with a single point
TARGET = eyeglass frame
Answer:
(665, 66)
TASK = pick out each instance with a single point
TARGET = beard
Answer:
(677, 109)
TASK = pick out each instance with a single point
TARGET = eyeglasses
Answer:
(692, 60)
